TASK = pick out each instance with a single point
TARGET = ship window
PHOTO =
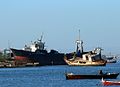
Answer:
(86, 57)
(82, 62)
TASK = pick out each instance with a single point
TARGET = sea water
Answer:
(53, 76)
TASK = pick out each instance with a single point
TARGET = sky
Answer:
(23, 21)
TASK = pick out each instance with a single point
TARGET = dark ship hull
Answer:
(41, 56)
(96, 76)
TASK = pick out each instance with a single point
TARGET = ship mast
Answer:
(79, 35)
(41, 37)
(79, 43)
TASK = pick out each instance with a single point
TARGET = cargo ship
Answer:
(36, 52)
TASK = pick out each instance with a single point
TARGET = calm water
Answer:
(51, 76)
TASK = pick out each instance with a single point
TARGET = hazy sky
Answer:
(23, 21)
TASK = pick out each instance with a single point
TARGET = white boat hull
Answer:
(86, 63)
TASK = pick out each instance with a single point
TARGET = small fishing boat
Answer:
(87, 59)
(71, 76)
(81, 58)
(109, 83)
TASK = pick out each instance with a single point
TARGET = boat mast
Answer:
(78, 42)
(81, 43)
(79, 49)
(79, 35)
(41, 37)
